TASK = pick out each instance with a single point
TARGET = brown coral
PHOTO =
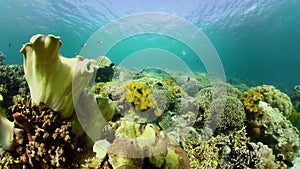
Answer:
(49, 141)
(250, 101)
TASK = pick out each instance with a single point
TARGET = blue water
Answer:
(255, 40)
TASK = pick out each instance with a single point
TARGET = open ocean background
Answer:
(257, 40)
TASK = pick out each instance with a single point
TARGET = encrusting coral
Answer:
(275, 98)
(50, 75)
(139, 95)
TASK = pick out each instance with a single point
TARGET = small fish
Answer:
(100, 41)
(9, 45)
(83, 45)
(188, 79)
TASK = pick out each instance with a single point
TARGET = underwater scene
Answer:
(162, 84)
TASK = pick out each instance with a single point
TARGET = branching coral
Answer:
(48, 139)
(50, 75)
(223, 151)
(2, 58)
(231, 118)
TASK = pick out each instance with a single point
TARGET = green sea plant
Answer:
(50, 75)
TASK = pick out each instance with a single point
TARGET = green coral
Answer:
(225, 114)
(231, 117)
(295, 118)
(218, 89)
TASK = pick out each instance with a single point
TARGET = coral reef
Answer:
(50, 75)
(12, 84)
(48, 141)
(152, 118)
(295, 118)
(272, 128)
(218, 90)
(224, 113)
(223, 151)
(2, 58)
(231, 118)
(295, 97)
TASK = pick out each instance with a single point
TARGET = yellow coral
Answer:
(173, 88)
(251, 100)
(138, 94)
(169, 81)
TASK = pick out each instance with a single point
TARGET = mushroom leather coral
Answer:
(49, 74)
